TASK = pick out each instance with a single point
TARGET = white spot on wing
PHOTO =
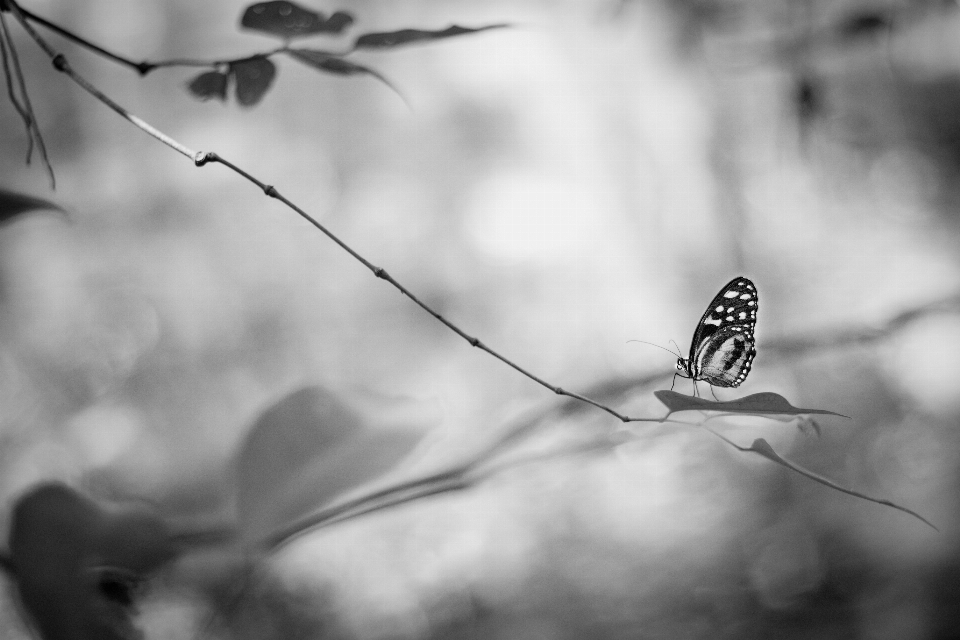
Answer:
(746, 296)
(731, 294)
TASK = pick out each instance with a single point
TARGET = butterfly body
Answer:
(723, 346)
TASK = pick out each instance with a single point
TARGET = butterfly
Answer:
(723, 346)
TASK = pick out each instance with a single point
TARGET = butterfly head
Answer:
(683, 367)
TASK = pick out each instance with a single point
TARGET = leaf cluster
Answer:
(253, 76)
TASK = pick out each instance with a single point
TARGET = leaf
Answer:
(865, 24)
(304, 452)
(332, 63)
(77, 564)
(288, 20)
(763, 448)
(253, 77)
(766, 403)
(386, 39)
(210, 84)
(13, 204)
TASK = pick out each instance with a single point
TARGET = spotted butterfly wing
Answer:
(723, 346)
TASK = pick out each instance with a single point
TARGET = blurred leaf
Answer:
(13, 204)
(331, 63)
(210, 84)
(763, 448)
(289, 20)
(757, 404)
(865, 24)
(77, 565)
(808, 99)
(253, 77)
(409, 36)
(338, 21)
(305, 451)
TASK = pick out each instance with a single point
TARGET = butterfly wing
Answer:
(723, 346)
(725, 359)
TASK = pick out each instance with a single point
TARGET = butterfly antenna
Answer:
(658, 346)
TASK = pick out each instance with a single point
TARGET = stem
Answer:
(25, 109)
(61, 64)
(381, 273)
(69, 35)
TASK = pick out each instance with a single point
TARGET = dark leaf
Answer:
(77, 564)
(253, 77)
(337, 22)
(13, 204)
(763, 448)
(288, 20)
(861, 25)
(409, 36)
(304, 452)
(765, 403)
(326, 61)
(210, 84)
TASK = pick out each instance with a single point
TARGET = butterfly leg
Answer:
(674, 381)
(696, 392)
(714, 394)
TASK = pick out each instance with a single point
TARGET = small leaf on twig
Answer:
(331, 63)
(288, 20)
(13, 204)
(763, 448)
(409, 36)
(209, 84)
(253, 77)
(766, 403)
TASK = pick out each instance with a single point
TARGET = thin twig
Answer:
(26, 109)
(60, 63)
(11, 90)
(381, 273)
(83, 42)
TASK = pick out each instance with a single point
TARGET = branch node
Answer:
(143, 68)
(60, 62)
(271, 191)
(559, 391)
(474, 342)
(201, 158)
(380, 272)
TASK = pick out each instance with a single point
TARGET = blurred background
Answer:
(590, 176)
